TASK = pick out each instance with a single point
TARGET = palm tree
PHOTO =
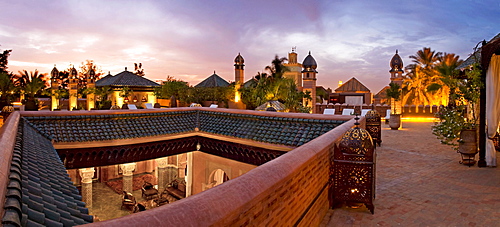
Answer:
(419, 86)
(34, 80)
(446, 82)
(394, 93)
(277, 69)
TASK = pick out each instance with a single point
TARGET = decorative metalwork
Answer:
(101, 156)
(374, 126)
(352, 169)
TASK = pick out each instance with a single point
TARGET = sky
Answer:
(189, 40)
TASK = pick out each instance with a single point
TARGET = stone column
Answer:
(128, 170)
(162, 172)
(87, 174)
(189, 166)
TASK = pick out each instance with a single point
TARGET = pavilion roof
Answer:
(213, 81)
(352, 85)
(126, 78)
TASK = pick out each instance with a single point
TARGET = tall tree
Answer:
(277, 69)
(272, 86)
(423, 84)
(4, 60)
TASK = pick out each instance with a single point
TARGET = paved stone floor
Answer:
(421, 183)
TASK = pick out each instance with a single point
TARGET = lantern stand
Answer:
(352, 169)
(374, 126)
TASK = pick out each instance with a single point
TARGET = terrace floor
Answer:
(420, 183)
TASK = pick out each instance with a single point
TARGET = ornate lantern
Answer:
(353, 169)
(373, 126)
(6, 111)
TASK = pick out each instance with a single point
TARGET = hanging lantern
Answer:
(144, 99)
(352, 173)
(374, 126)
(125, 100)
(135, 99)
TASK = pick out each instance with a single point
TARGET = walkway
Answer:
(421, 183)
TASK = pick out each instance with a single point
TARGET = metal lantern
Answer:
(353, 169)
(374, 126)
(6, 111)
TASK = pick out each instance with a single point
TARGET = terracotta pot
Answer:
(468, 147)
(469, 144)
(395, 121)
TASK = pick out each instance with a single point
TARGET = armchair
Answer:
(148, 191)
(128, 200)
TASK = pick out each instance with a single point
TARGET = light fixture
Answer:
(125, 100)
(144, 99)
(198, 146)
(135, 99)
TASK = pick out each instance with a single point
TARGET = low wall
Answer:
(408, 110)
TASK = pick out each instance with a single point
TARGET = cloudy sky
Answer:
(190, 39)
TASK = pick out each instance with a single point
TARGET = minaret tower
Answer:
(73, 89)
(239, 76)
(90, 85)
(309, 72)
(396, 69)
(294, 69)
(54, 86)
(397, 78)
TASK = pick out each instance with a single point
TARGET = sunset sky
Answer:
(190, 39)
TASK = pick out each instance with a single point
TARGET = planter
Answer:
(468, 146)
(395, 121)
(31, 105)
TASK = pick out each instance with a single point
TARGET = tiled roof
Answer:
(213, 81)
(278, 106)
(276, 130)
(352, 85)
(126, 78)
(40, 192)
(81, 128)
(381, 94)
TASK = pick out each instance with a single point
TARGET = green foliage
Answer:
(102, 93)
(34, 87)
(273, 86)
(171, 87)
(454, 118)
(452, 122)
(428, 78)
(6, 88)
(126, 92)
(394, 91)
(4, 60)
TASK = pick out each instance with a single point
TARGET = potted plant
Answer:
(394, 93)
(31, 89)
(125, 92)
(458, 121)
